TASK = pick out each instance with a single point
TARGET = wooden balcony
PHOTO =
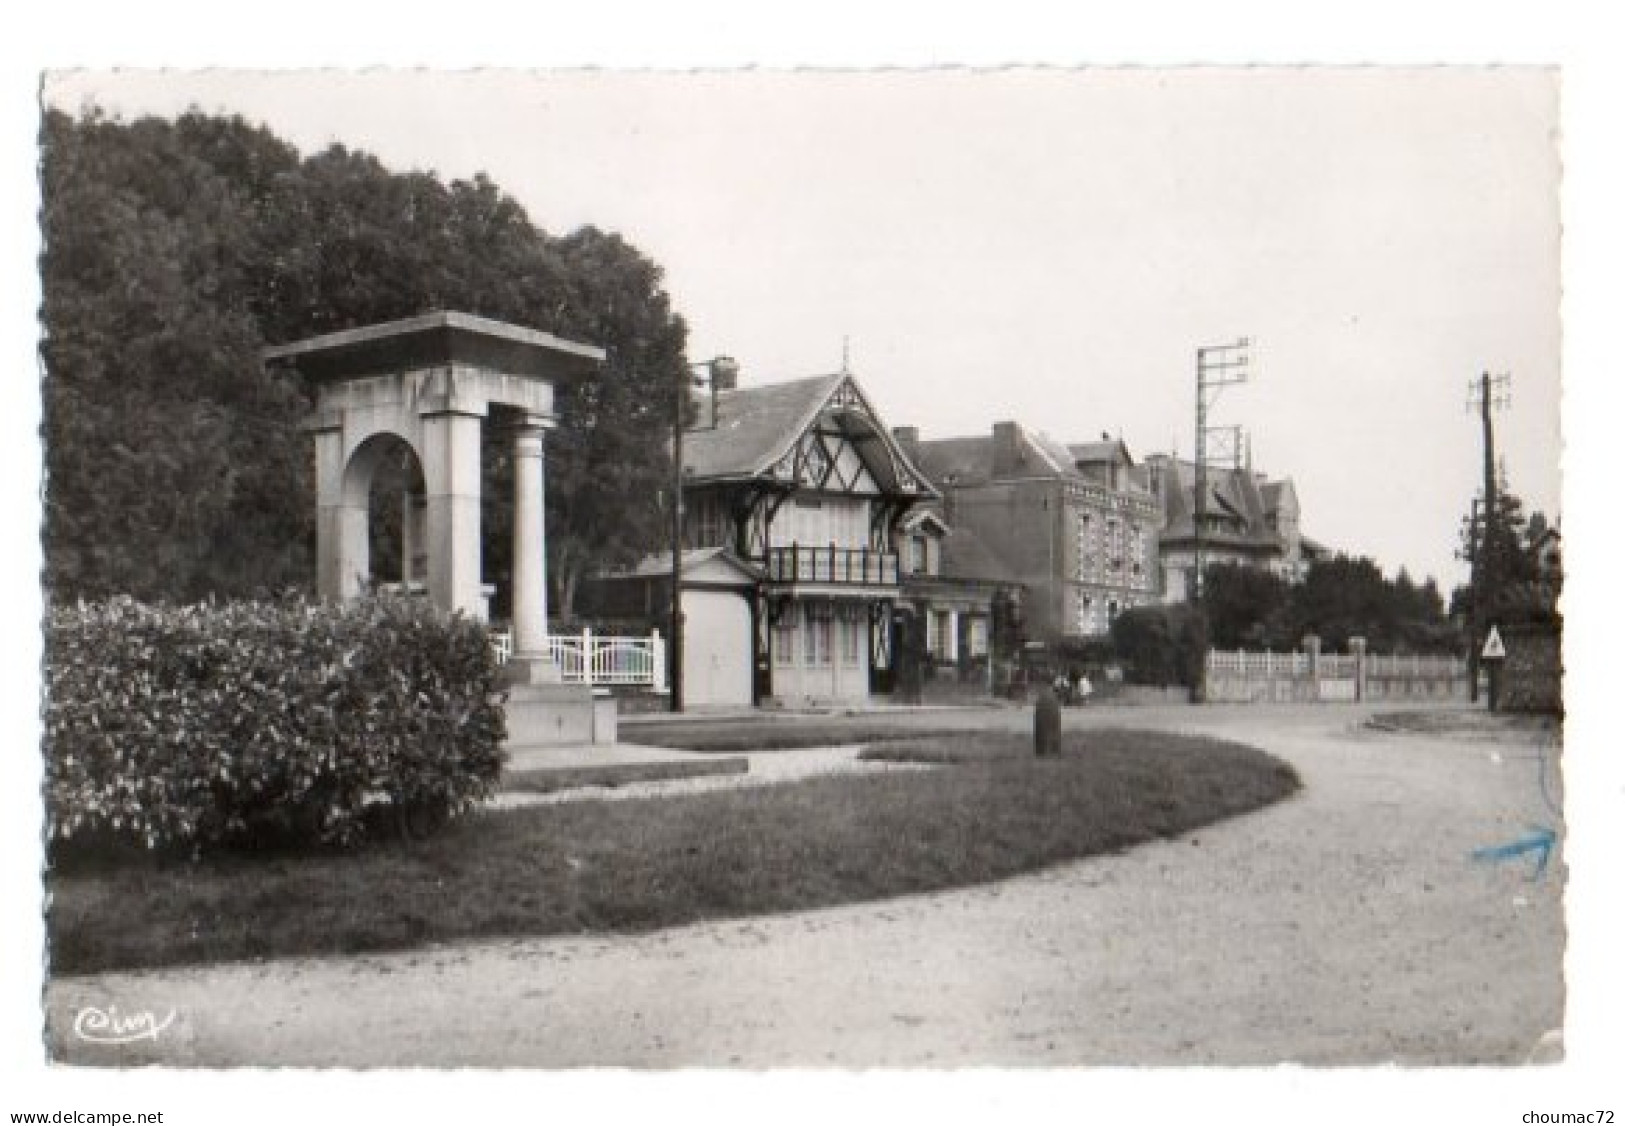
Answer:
(840, 566)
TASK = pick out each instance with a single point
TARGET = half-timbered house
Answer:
(794, 494)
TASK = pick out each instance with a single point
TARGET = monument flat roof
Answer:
(440, 337)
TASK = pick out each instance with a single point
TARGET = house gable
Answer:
(843, 446)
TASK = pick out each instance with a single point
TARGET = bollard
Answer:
(1047, 723)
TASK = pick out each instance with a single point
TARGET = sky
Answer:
(1049, 245)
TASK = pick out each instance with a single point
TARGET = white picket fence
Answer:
(1303, 677)
(599, 660)
(1258, 664)
(1414, 665)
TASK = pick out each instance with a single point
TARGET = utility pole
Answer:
(1485, 395)
(1217, 366)
(721, 371)
(674, 665)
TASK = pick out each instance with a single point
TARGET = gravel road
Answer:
(1347, 925)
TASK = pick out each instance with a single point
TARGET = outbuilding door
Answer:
(716, 649)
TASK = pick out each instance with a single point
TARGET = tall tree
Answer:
(613, 450)
(1246, 607)
(1500, 547)
(176, 249)
(166, 443)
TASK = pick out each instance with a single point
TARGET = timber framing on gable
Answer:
(845, 448)
(753, 518)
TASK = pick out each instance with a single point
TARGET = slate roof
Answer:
(1059, 457)
(962, 461)
(659, 565)
(1313, 549)
(969, 461)
(1273, 492)
(966, 556)
(1110, 449)
(1233, 492)
(755, 426)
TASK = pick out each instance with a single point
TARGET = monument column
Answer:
(451, 473)
(531, 660)
(341, 528)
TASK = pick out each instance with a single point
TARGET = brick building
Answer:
(1075, 526)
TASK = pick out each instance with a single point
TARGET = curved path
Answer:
(1346, 925)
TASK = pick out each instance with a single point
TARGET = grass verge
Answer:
(637, 865)
(554, 779)
(774, 734)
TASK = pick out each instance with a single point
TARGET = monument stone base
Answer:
(558, 715)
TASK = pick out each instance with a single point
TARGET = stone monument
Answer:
(429, 382)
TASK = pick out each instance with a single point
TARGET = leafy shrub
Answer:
(1162, 645)
(206, 724)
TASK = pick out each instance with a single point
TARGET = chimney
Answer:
(908, 437)
(721, 374)
(702, 408)
(1009, 452)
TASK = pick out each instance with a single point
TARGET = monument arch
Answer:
(429, 382)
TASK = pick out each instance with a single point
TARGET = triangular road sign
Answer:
(1493, 649)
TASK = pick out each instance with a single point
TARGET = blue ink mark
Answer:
(1540, 840)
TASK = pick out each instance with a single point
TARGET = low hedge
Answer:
(250, 722)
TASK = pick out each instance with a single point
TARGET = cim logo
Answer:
(109, 1026)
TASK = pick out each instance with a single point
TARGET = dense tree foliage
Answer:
(1162, 645)
(1340, 598)
(1503, 548)
(176, 250)
(1247, 607)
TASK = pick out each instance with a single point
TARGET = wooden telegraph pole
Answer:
(1485, 395)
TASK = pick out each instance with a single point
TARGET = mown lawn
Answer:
(592, 866)
(775, 734)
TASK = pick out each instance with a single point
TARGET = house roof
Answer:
(959, 461)
(1276, 493)
(1055, 453)
(1108, 449)
(1233, 492)
(969, 461)
(966, 556)
(757, 426)
(1313, 549)
(921, 515)
(713, 559)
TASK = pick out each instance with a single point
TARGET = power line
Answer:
(1217, 366)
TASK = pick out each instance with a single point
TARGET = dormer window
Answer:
(919, 555)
